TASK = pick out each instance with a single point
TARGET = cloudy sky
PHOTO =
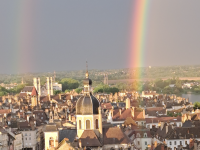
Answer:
(40, 36)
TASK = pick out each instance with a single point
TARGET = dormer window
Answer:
(145, 134)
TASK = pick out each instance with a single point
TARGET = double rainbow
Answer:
(24, 37)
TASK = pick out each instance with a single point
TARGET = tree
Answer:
(56, 92)
(78, 90)
(196, 105)
(68, 83)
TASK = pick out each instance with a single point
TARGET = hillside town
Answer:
(35, 119)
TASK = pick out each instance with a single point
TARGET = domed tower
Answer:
(88, 111)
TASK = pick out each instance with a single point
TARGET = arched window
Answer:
(80, 124)
(97, 123)
(87, 124)
(51, 142)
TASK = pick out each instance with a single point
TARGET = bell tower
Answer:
(89, 114)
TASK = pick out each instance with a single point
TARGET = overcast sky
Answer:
(40, 36)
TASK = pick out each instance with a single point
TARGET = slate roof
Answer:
(67, 133)
(164, 119)
(51, 127)
(187, 133)
(187, 124)
(27, 89)
(155, 111)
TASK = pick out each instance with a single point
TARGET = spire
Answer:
(86, 74)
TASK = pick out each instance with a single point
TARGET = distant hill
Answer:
(191, 72)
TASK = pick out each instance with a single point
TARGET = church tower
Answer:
(88, 111)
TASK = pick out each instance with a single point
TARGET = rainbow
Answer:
(24, 37)
(138, 34)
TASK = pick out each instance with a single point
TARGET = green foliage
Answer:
(196, 105)
(57, 92)
(2, 93)
(78, 90)
(172, 114)
(68, 83)
(15, 90)
(101, 88)
(66, 91)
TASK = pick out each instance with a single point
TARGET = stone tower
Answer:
(49, 85)
(36, 84)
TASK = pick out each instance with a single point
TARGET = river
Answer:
(192, 97)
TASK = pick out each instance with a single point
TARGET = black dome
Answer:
(87, 105)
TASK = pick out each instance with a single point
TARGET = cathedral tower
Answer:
(88, 111)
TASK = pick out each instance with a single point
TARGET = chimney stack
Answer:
(128, 105)
(120, 112)
(133, 111)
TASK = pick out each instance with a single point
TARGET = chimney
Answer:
(70, 117)
(166, 129)
(56, 142)
(195, 145)
(162, 125)
(143, 113)
(128, 105)
(80, 144)
(162, 147)
(133, 111)
(120, 112)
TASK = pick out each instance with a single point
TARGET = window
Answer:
(97, 124)
(26, 139)
(25, 134)
(87, 124)
(145, 142)
(170, 143)
(185, 142)
(145, 134)
(29, 138)
(180, 142)
(41, 117)
(29, 134)
(51, 142)
(80, 124)
(138, 142)
(174, 142)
